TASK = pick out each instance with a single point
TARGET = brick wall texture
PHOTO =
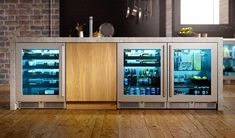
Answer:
(24, 18)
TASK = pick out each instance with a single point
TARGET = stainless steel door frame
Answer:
(145, 98)
(214, 73)
(43, 98)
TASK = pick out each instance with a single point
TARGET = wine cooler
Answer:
(141, 77)
(40, 75)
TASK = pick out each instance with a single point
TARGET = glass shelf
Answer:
(142, 57)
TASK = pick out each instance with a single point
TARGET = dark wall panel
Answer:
(113, 11)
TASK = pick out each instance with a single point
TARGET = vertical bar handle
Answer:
(63, 71)
(170, 73)
(163, 67)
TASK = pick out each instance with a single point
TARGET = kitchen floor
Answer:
(54, 123)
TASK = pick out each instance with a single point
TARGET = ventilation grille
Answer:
(28, 105)
(179, 105)
(154, 105)
(54, 105)
(129, 105)
(206, 105)
(141, 104)
(41, 105)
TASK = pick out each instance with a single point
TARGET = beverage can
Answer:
(153, 91)
(147, 91)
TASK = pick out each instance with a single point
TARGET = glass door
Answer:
(141, 65)
(229, 61)
(40, 68)
(193, 75)
(142, 71)
(40, 72)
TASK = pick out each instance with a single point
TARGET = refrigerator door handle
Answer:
(170, 73)
(63, 71)
(163, 64)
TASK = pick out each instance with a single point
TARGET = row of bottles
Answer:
(42, 73)
(196, 90)
(141, 91)
(144, 77)
(143, 62)
(41, 91)
(45, 64)
(41, 83)
(41, 54)
(142, 53)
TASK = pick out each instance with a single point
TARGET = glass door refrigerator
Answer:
(229, 60)
(192, 75)
(40, 75)
(141, 75)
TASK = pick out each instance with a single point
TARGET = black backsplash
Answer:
(114, 12)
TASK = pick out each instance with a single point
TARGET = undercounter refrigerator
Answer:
(167, 75)
(192, 75)
(140, 75)
(229, 60)
(40, 75)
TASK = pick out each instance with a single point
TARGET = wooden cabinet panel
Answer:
(91, 71)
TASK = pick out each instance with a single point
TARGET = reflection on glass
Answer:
(142, 72)
(192, 71)
(229, 60)
(40, 71)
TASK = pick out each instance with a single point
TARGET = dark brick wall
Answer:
(25, 18)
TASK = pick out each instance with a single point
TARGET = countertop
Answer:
(118, 39)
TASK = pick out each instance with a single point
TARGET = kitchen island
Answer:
(114, 72)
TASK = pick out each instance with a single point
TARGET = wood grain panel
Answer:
(91, 71)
